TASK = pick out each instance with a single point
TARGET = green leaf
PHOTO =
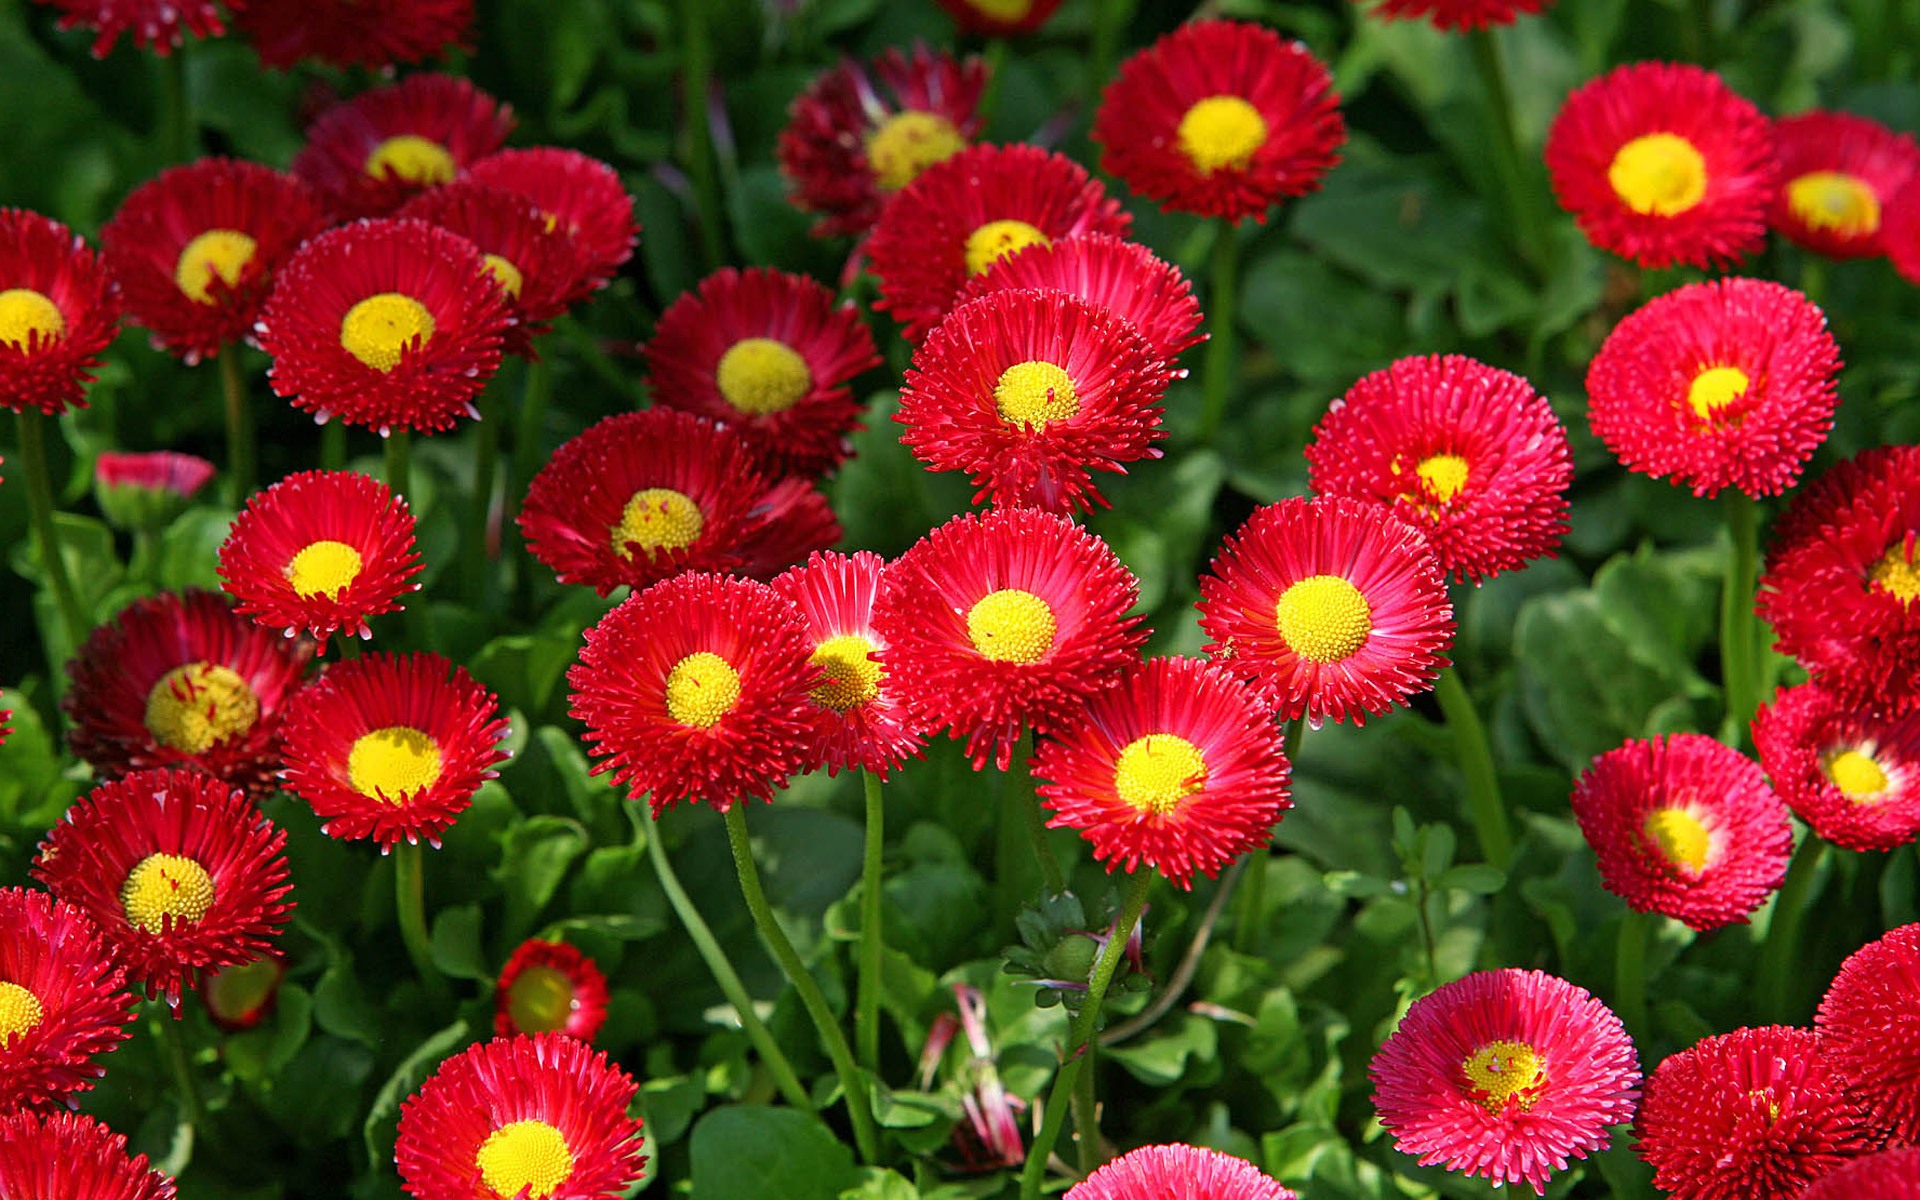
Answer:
(533, 860)
(457, 948)
(750, 1153)
(411, 1072)
(1478, 878)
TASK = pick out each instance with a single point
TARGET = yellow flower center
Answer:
(323, 568)
(25, 312)
(393, 764)
(996, 239)
(702, 688)
(196, 705)
(1011, 626)
(217, 252)
(379, 329)
(1034, 393)
(907, 143)
(1659, 174)
(1857, 775)
(1003, 10)
(163, 886)
(655, 519)
(1444, 474)
(1501, 1071)
(1898, 574)
(1681, 838)
(20, 1011)
(1837, 201)
(540, 999)
(1221, 131)
(852, 676)
(412, 159)
(525, 1156)
(1156, 772)
(505, 274)
(1715, 388)
(760, 375)
(1323, 618)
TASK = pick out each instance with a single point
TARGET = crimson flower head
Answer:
(582, 197)
(771, 355)
(1888, 1175)
(70, 1154)
(1335, 607)
(385, 324)
(1865, 1023)
(1030, 392)
(1726, 384)
(1469, 455)
(998, 621)
(962, 214)
(1685, 827)
(321, 551)
(147, 490)
(538, 1115)
(178, 871)
(862, 131)
(1664, 164)
(1838, 173)
(533, 263)
(1178, 766)
(61, 1003)
(367, 156)
(1505, 1075)
(550, 986)
(239, 997)
(1220, 119)
(999, 18)
(1109, 272)
(180, 679)
(1178, 1171)
(1852, 772)
(157, 25)
(392, 746)
(1756, 1114)
(58, 311)
(1457, 14)
(350, 33)
(697, 689)
(1900, 231)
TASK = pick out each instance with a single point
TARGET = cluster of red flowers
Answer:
(340, 33)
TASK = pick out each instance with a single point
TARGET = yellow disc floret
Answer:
(1004, 10)
(1323, 618)
(702, 688)
(760, 376)
(907, 143)
(1502, 1071)
(25, 312)
(166, 886)
(20, 1011)
(505, 274)
(1444, 474)
(1220, 132)
(1011, 626)
(1715, 388)
(1898, 574)
(657, 519)
(194, 706)
(996, 239)
(393, 763)
(1033, 393)
(1156, 772)
(540, 999)
(526, 1157)
(217, 253)
(1858, 776)
(852, 676)
(379, 329)
(412, 159)
(1835, 202)
(1659, 175)
(324, 568)
(1681, 838)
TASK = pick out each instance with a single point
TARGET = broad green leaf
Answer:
(751, 1153)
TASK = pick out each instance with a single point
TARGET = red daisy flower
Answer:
(180, 679)
(58, 311)
(196, 248)
(1722, 384)
(1685, 827)
(1178, 766)
(550, 986)
(1850, 772)
(349, 33)
(1664, 164)
(61, 1003)
(389, 746)
(1178, 1171)
(961, 214)
(1220, 119)
(1842, 582)
(1838, 171)
(1002, 620)
(1750, 1115)
(371, 154)
(147, 490)
(1900, 232)
(859, 717)
(1029, 391)
(999, 18)
(1866, 1025)
(1336, 607)
(1458, 14)
(534, 263)
(321, 551)
(862, 131)
(1888, 1175)
(1505, 1075)
(385, 324)
(582, 197)
(1110, 272)
(159, 25)
(643, 496)
(177, 869)
(697, 689)
(238, 997)
(770, 354)
(1471, 456)
(67, 1154)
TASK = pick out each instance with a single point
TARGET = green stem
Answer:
(53, 565)
(146, 553)
(1051, 876)
(486, 465)
(996, 61)
(1508, 158)
(1778, 958)
(333, 445)
(1086, 1111)
(173, 1043)
(1630, 972)
(1485, 808)
(240, 450)
(723, 973)
(176, 131)
(1218, 371)
(852, 1082)
(1737, 639)
(696, 88)
(866, 1021)
(399, 456)
(1109, 22)
(1703, 38)
(409, 897)
(1248, 923)
(529, 431)
(1080, 1035)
